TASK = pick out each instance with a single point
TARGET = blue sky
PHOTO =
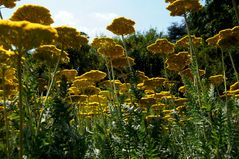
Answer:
(92, 16)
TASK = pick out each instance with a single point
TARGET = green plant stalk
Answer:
(20, 104)
(234, 67)
(194, 60)
(126, 53)
(1, 14)
(5, 115)
(236, 9)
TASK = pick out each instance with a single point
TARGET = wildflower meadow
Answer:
(132, 96)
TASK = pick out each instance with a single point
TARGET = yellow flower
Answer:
(70, 74)
(153, 83)
(216, 79)
(23, 35)
(8, 3)
(234, 86)
(141, 76)
(188, 73)
(121, 26)
(180, 7)
(162, 94)
(147, 100)
(93, 75)
(180, 101)
(213, 40)
(109, 83)
(151, 118)
(70, 38)
(177, 62)
(184, 41)
(73, 90)
(182, 89)
(82, 83)
(49, 54)
(162, 46)
(102, 42)
(5, 57)
(33, 13)
(121, 62)
(90, 90)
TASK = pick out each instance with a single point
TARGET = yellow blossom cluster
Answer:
(180, 7)
(177, 62)
(184, 41)
(8, 3)
(25, 35)
(216, 79)
(225, 38)
(32, 13)
(121, 26)
(162, 46)
(70, 38)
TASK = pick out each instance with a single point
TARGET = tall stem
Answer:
(1, 14)
(5, 114)
(236, 10)
(20, 104)
(234, 67)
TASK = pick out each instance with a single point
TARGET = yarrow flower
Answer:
(122, 26)
(8, 3)
(23, 35)
(180, 7)
(216, 79)
(184, 42)
(70, 38)
(177, 62)
(162, 46)
(107, 47)
(93, 75)
(32, 13)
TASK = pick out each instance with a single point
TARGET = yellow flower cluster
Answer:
(184, 42)
(216, 79)
(121, 62)
(5, 57)
(23, 35)
(8, 3)
(162, 46)
(70, 74)
(107, 47)
(33, 13)
(177, 62)
(187, 73)
(93, 75)
(153, 83)
(121, 26)
(49, 54)
(180, 7)
(225, 38)
(70, 38)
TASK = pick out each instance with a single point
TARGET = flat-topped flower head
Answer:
(93, 75)
(49, 54)
(180, 7)
(112, 51)
(153, 83)
(228, 38)
(101, 42)
(184, 42)
(33, 13)
(70, 74)
(82, 83)
(216, 79)
(121, 62)
(121, 26)
(177, 62)
(70, 38)
(170, 1)
(187, 73)
(8, 3)
(23, 35)
(212, 41)
(162, 46)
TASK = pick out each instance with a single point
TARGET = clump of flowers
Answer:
(162, 46)
(32, 13)
(177, 62)
(122, 26)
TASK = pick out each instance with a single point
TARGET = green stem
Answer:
(234, 67)
(1, 14)
(20, 103)
(195, 70)
(236, 10)
(5, 114)
(126, 54)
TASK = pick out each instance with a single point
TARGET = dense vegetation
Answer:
(142, 95)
